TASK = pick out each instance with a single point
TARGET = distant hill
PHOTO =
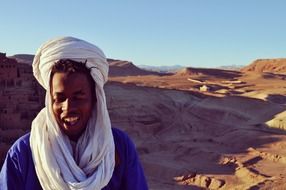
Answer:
(267, 65)
(175, 68)
(220, 73)
(117, 67)
(23, 58)
(126, 68)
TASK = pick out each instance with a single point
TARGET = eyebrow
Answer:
(79, 92)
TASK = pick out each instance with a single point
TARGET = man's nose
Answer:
(68, 105)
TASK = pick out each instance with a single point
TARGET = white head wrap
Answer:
(57, 166)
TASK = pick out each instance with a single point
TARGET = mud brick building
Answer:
(20, 95)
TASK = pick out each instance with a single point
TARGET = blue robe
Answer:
(18, 171)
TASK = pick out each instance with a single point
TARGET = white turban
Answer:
(91, 164)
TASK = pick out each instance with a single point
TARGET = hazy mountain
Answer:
(162, 69)
(231, 67)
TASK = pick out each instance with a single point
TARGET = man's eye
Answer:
(79, 97)
(59, 99)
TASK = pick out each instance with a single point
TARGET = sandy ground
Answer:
(202, 129)
(231, 136)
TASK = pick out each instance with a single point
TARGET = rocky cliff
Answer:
(267, 65)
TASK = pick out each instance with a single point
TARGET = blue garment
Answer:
(18, 171)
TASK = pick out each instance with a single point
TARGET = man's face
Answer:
(72, 102)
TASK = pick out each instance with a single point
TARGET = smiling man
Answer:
(72, 107)
(72, 144)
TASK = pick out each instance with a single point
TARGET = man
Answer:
(72, 144)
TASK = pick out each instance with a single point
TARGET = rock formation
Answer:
(267, 65)
(201, 72)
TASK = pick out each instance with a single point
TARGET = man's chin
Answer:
(73, 134)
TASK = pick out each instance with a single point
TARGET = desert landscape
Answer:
(196, 128)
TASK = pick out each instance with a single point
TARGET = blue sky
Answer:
(194, 33)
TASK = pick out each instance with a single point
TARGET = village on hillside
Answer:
(20, 94)
(20, 100)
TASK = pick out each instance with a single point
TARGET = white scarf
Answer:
(91, 166)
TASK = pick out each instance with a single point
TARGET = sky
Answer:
(192, 33)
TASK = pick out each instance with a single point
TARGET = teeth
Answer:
(71, 120)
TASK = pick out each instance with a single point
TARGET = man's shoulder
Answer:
(122, 141)
(117, 132)
(119, 135)
(21, 144)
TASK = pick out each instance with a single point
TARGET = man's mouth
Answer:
(70, 121)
